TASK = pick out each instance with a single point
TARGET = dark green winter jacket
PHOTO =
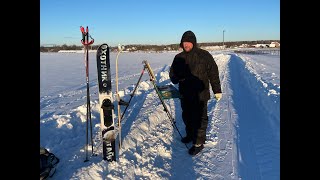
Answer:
(194, 71)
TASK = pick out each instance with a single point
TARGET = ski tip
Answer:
(104, 45)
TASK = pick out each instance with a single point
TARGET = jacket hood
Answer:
(188, 36)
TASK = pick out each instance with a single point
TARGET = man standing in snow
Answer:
(193, 69)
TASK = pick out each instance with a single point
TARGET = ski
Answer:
(120, 102)
(106, 103)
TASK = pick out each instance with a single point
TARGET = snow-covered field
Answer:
(243, 133)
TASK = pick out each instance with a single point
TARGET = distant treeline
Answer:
(272, 51)
(146, 47)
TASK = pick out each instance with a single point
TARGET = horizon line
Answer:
(163, 44)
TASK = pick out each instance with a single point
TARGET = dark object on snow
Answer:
(169, 92)
(48, 162)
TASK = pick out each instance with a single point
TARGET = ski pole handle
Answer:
(85, 36)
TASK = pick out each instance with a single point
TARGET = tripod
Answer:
(153, 80)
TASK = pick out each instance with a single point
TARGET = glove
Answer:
(218, 96)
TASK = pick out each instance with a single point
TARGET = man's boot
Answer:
(195, 149)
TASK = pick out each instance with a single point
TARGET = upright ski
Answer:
(120, 102)
(106, 103)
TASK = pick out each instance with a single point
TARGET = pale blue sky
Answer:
(158, 21)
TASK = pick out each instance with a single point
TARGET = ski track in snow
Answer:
(151, 147)
(258, 131)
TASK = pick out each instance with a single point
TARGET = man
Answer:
(194, 69)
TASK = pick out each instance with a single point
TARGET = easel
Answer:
(153, 80)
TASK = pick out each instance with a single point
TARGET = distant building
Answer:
(210, 48)
(261, 45)
(244, 46)
(271, 45)
(274, 44)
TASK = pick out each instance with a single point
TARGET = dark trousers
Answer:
(195, 118)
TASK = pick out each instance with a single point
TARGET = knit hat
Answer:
(188, 36)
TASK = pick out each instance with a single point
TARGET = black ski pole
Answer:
(86, 43)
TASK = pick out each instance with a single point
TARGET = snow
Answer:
(243, 135)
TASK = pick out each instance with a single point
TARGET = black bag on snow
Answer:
(48, 161)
